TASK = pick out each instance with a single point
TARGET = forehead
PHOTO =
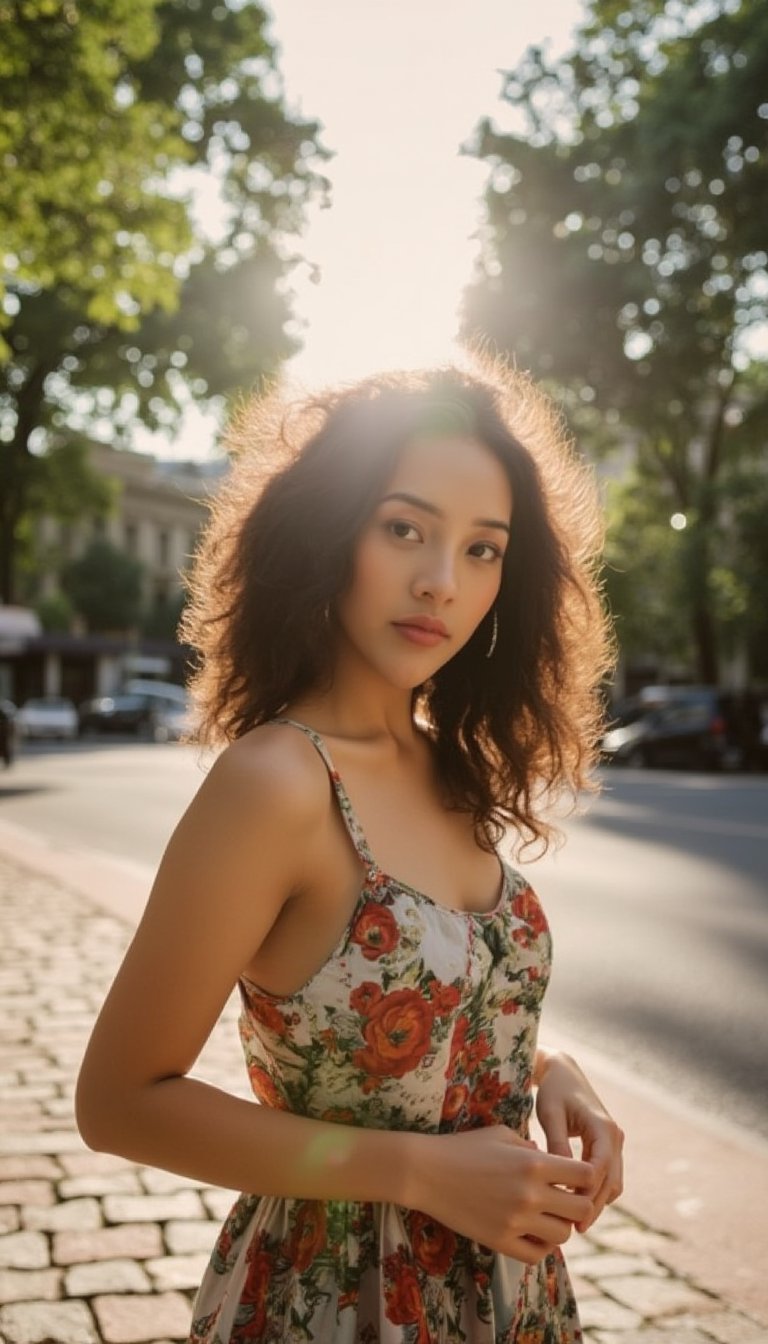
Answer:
(455, 471)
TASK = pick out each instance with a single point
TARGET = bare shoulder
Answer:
(275, 774)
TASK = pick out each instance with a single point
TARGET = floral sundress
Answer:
(422, 1018)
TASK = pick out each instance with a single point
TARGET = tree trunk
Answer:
(705, 637)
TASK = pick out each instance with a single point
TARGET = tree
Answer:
(104, 586)
(624, 253)
(120, 304)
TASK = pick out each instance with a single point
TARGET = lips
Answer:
(428, 623)
(423, 630)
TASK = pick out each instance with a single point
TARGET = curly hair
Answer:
(509, 733)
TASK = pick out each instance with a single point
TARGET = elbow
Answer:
(96, 1114)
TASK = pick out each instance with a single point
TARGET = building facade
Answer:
(158, 511)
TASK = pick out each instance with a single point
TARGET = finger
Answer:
(573, 1173)
(549, 1228)
(555, 1125)
(528, 1249)
(564, 1204)
(610, 1189)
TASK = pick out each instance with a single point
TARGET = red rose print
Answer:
(527, 908)
(375, 930)
(477, 1051)
(264, 1088)
(486, 1095)
(364, 996)
(397, 1034)
(444, 997)
(455, 1096)
(255, 1288)
(458, 1043)
(268, 1014)
(339, 1115)
(434, 1245)
(307, 1237)
(402, 1295)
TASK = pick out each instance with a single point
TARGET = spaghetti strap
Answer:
(356, 833)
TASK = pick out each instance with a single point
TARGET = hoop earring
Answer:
(494, 634)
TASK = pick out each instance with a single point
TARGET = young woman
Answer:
(401, 639)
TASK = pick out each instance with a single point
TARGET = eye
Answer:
(486, 550)
(398, 527)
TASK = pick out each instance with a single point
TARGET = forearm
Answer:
(191, 1128)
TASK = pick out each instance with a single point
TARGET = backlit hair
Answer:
(510, 732)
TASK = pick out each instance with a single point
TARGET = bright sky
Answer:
(398, 85)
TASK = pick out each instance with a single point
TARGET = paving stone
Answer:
(18, 1113)
(24, 1168)
(648, 1336)
(177, 1271)
(600, 1312)
(53, 1141)
(79, 1215)
(218, 1203)
(157, 1182)
(139, 1240)
(10, 1219)
(106, 1276)
(729, 1327)
(29, 1285)
(605, 1265)
(114, 1183)
(135, 1320)
(635, 1241)
(40, 1193)
(150, 1208)
(44, 1322)
(653, 1297)
(24, 1250)
(86, 1163)
(189, 1238)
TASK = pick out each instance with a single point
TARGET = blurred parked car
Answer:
(699, 727)
(48, 716)
(130, 714)
(8, 731)
(154, 714)
(171, 705)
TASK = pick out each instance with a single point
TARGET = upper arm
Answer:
(234, 859)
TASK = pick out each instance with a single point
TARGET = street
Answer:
(658, 904)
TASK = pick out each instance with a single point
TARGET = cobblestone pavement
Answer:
(96, 1250)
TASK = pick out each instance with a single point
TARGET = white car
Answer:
(48, 716)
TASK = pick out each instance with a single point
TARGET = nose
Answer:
(436, 577)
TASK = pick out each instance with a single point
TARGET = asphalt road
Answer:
(658, 904)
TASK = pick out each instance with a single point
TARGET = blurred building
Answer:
(156, 518)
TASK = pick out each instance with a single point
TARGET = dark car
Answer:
(129, 714)
(698, 727)
(8, 732)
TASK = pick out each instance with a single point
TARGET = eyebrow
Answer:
(424, 504)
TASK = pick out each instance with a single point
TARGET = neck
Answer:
(360, 706)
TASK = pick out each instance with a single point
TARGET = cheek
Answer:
(371, 569)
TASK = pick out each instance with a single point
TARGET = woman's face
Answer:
(427, 564)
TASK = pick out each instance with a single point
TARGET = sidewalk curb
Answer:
(700, 1186)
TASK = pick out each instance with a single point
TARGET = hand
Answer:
(567, 1107)
(502, 1191)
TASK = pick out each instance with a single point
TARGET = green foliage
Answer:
(104, 585)
(56, 613)
(120, 303)
(79, 152)
(161, 620)
(625, 253)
